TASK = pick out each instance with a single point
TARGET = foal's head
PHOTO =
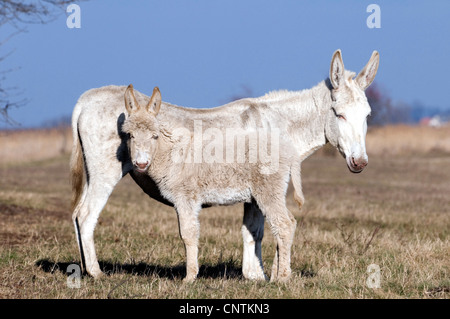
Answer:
(347, 121)
(143, 128)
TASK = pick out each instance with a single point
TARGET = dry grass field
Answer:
(396, 214)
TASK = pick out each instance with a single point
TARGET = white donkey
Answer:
(105, 149)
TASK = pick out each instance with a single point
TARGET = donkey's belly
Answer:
(149, 187)
(226, 196)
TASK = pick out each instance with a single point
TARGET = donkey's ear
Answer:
(155, 101)
(366, 76)
(337, 69)
(131, 103)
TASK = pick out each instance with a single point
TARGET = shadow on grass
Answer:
(227, 270)
(224, 270)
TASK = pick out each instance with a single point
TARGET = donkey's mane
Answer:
(279, 94)
(286, 94)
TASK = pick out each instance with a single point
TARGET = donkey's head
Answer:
(142, 127)
(347, 119)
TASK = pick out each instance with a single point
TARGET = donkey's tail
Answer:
(297, 183)
(76, 162)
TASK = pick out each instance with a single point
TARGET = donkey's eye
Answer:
(155, 136)
(339, 116)
(131, 136)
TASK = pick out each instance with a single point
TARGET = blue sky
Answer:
(200, 53)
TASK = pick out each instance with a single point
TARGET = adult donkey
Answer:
(333, 111)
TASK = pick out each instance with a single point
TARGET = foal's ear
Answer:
(366, 76)
(337, 69)
(131, 103)
(155, 101)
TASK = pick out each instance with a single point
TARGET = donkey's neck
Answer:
(305, 114)
(162, 157)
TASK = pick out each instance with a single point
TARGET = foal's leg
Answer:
(252, 233)
(189, 231)
(283, 224)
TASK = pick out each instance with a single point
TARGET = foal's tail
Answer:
(76, 162)
(297, 183)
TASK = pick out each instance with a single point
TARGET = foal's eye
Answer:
(131, 136)
(155, 136)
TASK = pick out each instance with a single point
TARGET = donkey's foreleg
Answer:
(252, 233)
(283, 225)
(189, 231)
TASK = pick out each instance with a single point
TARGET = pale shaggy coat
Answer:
(335, 111)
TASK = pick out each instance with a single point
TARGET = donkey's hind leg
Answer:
(85, 216)
(252, 233)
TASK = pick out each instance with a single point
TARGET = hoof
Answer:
(280, 277)
(95, 272)
(189, 279)
(255, 276)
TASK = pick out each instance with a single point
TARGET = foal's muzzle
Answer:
(141, 167)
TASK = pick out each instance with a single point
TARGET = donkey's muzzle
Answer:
(141, 167)
(357, 165)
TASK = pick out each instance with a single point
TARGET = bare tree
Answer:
(17, 14)
(384, 110)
